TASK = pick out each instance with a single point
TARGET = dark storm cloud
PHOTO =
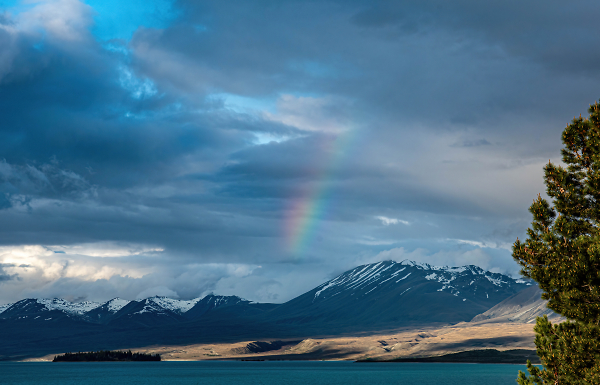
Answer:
(425, 67)
(200, 138)
(463, 60)
(550, 32)
(81, 106)
(79, 128)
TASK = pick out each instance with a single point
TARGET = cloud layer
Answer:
(259, 148)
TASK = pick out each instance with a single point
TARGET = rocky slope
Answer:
(524, 307)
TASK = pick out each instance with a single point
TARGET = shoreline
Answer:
(415, 344)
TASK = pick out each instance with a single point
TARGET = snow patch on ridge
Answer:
(116, 304)
(160, 304)
(495, 281)
(403, 278)
(406, 290)
(362, 276)
(394, 274)
(68, 307)
(216, 300)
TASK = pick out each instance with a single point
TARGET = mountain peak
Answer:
(116, 304)
(408, 262)
(395, 293)
(468, 282)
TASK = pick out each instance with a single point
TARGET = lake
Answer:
(263, 373)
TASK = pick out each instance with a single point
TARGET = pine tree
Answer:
(562, 253)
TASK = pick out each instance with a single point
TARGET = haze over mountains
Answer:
(368, 298)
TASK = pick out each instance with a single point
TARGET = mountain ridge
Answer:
(387, 295)
(361, 276)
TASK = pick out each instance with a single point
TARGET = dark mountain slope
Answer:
(390, 294)
(32, 309)
(149, 312)
(107, 311)
(212, 302)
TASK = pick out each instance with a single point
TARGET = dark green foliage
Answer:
(562, 253)
(569, 352)
(106, 355)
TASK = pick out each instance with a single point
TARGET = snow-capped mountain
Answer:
(106, 311)
(386, 292)
(160, 310)
(147, 311)
(174, 305)
(467, 282)
(369, 298)
(75, 308)
(115, 304)
(401, 293)
(150, 311)
(46, 309)
(41, 308)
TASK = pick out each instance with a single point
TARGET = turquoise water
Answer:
(263, 373)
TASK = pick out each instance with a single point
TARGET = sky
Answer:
(258, 149)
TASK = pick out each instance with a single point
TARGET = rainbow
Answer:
(307, 211)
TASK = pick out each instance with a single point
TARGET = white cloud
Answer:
(266, 138)
(391, 221)
(39, 22)
(488, 245)
(44, 265)
(106, 249)
(93, 271)
(66, 20)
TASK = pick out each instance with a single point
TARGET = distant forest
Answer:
(106, 355)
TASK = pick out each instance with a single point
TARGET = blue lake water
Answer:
(263, 373)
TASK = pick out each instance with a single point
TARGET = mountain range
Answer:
(381, 296)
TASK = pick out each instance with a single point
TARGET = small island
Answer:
(105, 355)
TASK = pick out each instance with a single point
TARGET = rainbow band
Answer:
(308, 211)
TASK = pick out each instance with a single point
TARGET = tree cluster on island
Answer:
(106, 355)
(562, 253)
